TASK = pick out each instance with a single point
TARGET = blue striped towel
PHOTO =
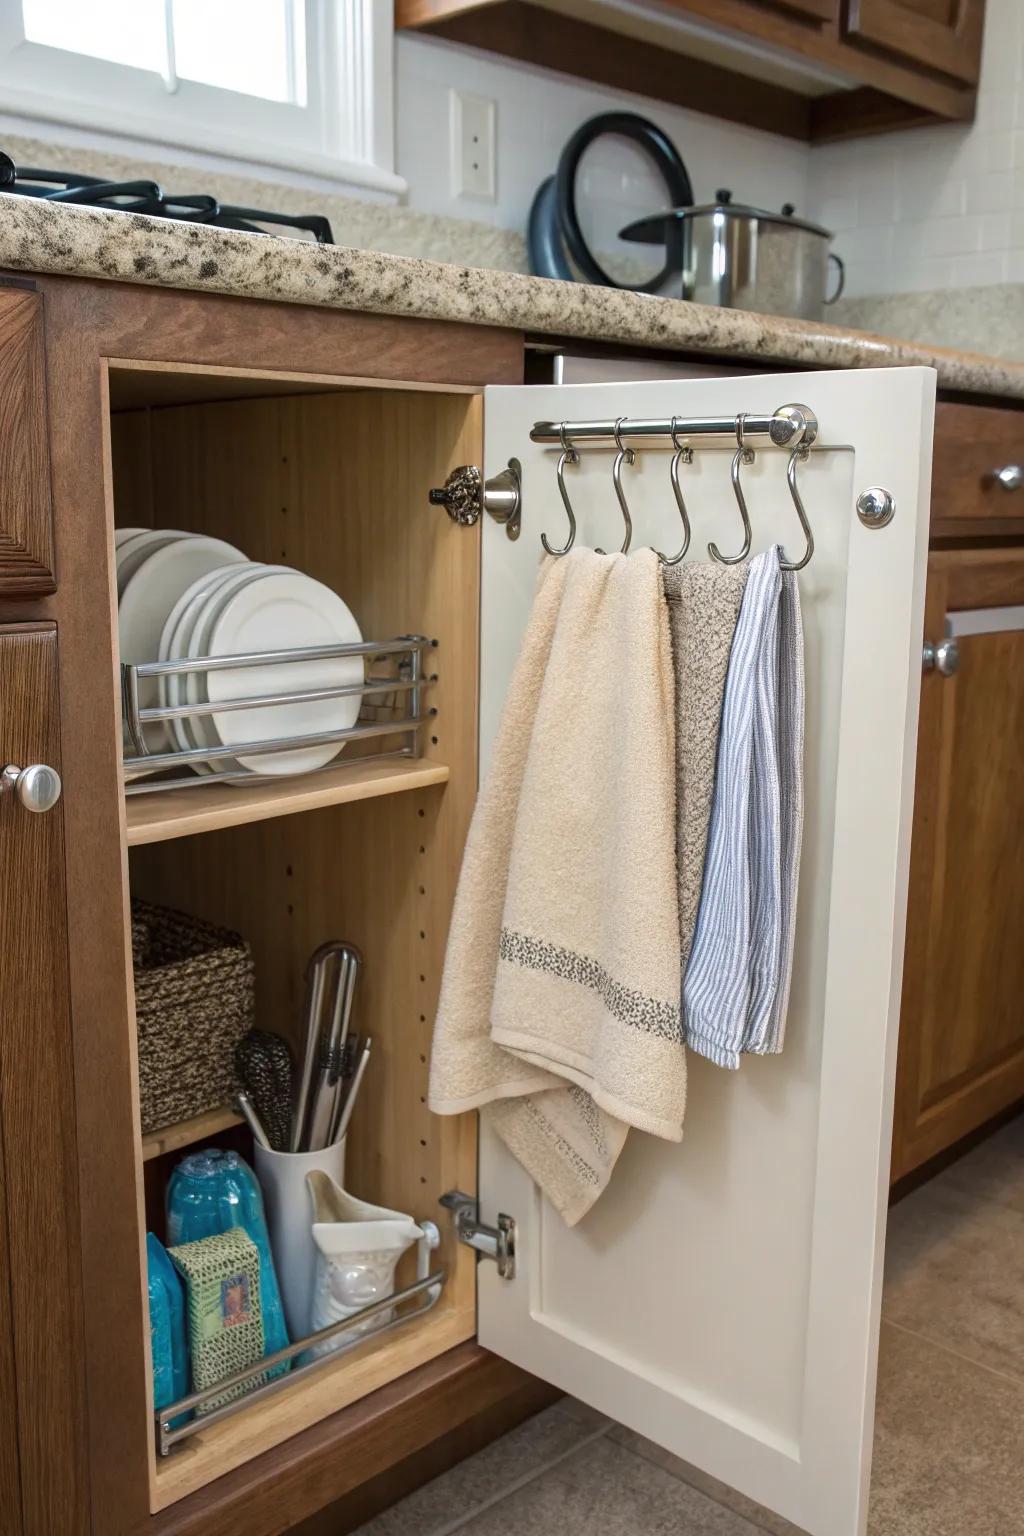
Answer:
(736, 987)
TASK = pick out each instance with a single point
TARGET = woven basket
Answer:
(194, 1000)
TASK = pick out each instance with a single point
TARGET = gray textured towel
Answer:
(703, 607)
(736, 989)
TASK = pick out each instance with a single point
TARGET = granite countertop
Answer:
(38, 236)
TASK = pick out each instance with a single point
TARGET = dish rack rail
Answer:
(392, 705)
(250, 1385)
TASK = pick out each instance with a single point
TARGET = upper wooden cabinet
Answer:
(944, 35)
(26, 526)
(907, 62)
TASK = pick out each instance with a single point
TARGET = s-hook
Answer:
(624, 455)
(743, 455)
(567, 456)
(799, 453)
(682, 455)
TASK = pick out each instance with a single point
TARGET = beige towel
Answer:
(563, 958)
(703, 605)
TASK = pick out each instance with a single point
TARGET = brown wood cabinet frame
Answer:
(86, 324)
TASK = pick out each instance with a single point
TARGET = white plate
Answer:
(121, 534)
(148, 598)
(134, 550)
(284, 609)
(199, 730)
(174, 645)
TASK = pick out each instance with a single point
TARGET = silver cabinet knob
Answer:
(38, 786)
(943, 658)
(1010, 477)
(465, 494)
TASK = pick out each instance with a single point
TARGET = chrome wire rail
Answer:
(350, 1331)
(408, 682)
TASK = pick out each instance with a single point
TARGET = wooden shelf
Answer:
(170, 1138)
(156, 818)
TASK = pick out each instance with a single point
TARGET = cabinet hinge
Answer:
(497, 1243)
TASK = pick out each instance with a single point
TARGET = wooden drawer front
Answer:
(26, 520)
(972, 444)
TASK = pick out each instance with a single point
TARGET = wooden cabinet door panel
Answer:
(962, 1025)
(938, 35)
(37, 1106)
(26, 522)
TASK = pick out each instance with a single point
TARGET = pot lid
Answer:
(650, 230)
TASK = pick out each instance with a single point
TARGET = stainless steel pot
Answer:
(746, 258)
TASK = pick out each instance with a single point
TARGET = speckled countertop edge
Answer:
(37, 236)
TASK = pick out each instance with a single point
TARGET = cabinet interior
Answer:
(334, 482)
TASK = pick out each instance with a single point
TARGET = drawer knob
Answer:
(38, 786)
(1010, 477)
(943, 658)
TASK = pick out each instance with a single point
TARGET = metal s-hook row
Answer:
(743, 455)
(567, 456)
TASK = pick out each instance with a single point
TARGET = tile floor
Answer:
(949, 1438)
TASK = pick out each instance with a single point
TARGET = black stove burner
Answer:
(149, 197)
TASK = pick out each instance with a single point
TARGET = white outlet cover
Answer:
(473, 130)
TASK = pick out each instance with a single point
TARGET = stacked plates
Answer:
(182, 595)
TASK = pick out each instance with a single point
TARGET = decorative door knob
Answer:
(38, 786)
(465, 494)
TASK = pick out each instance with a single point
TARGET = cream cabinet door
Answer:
(722, 1297)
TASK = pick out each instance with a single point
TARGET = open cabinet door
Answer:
(722, 1296)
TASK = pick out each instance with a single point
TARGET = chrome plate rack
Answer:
(349, 1333)
(392, 705)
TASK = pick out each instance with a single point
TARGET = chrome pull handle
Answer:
(38, 786)
(943, 658)
(1010, 476)
(465, 494)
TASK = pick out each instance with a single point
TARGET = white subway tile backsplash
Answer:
(989, 191)
(924, 194)
(980, 269)
(994, 231)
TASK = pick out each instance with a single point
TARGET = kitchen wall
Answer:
(537, 111)
(936, 208)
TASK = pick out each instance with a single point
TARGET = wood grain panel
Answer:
(10, 1476)
(36, 1102)
(26, 520)
(971, 443)
(961, 1056)
(809, 30)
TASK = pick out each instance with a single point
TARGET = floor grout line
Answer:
(955, 1354)
(522, 1482)
(747, 1517)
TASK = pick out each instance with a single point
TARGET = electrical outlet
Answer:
(473, 148)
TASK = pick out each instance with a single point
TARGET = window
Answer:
(303, 84)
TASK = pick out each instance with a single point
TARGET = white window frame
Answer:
(345, 135)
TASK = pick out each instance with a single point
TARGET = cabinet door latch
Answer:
(497, 1243)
